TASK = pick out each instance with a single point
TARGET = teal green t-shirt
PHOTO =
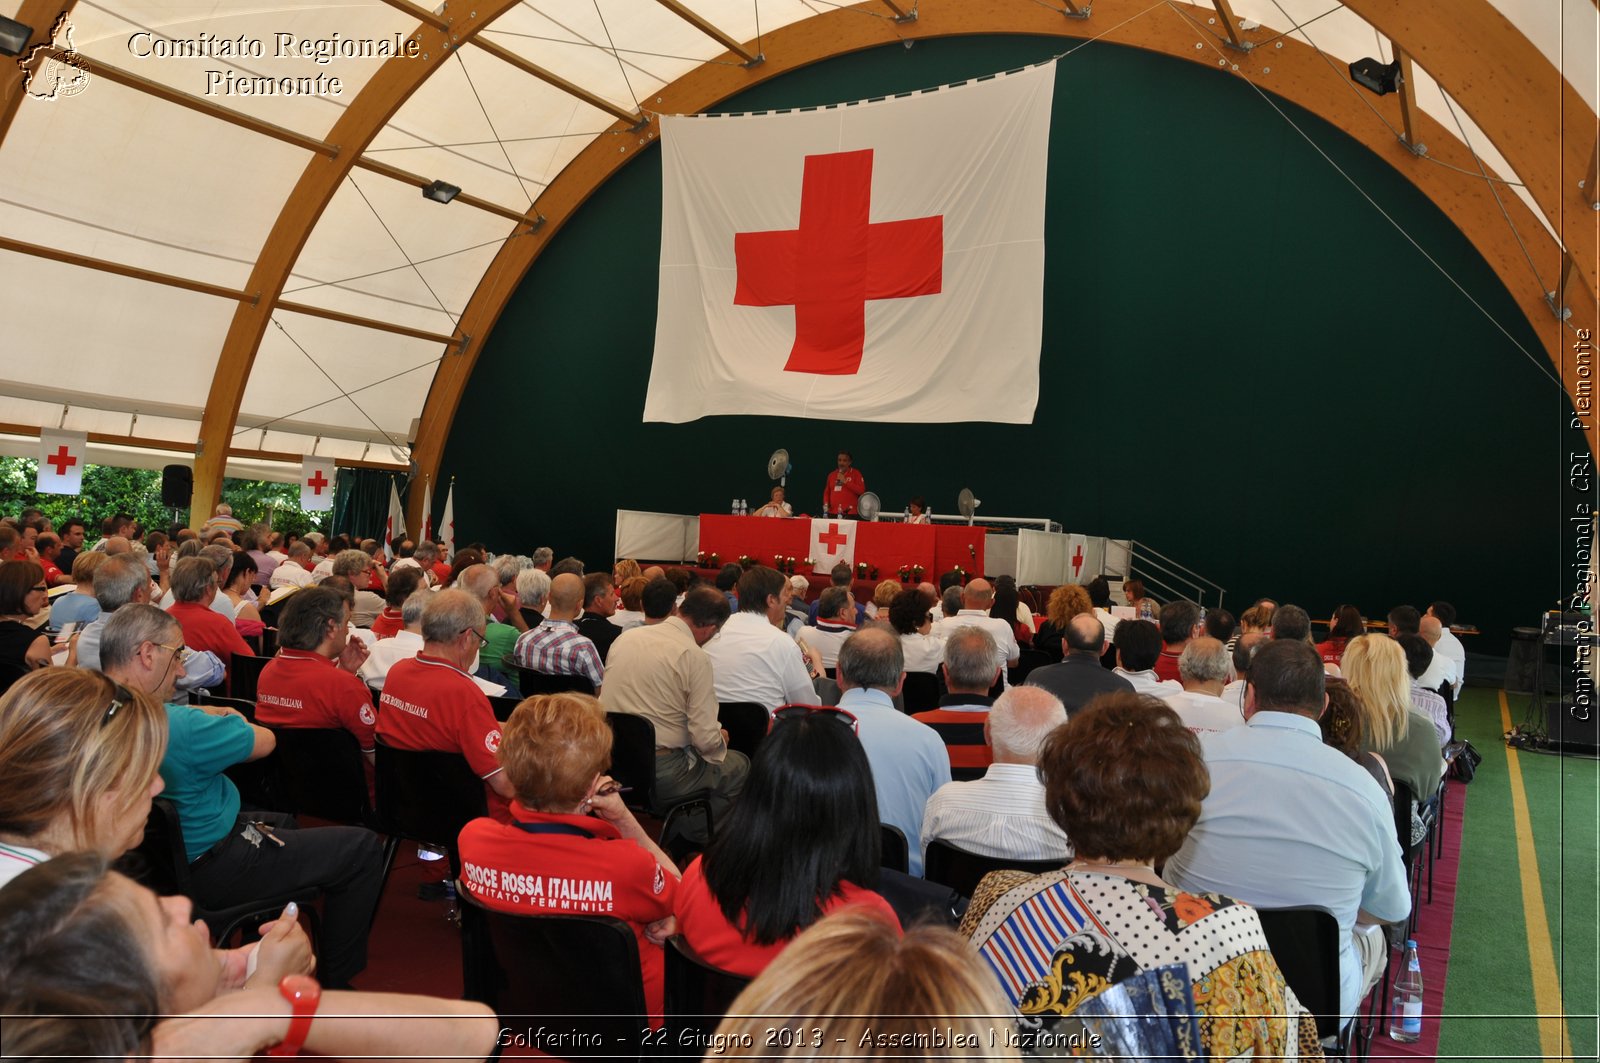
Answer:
(199, 747)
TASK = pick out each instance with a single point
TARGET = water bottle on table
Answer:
(1405, 1011)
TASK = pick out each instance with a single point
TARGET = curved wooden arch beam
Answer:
(1294, 72)
(39, 16)
(366, 116)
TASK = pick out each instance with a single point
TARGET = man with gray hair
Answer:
(969, 674)
(194, 586)
(543, 558)
(312, 682)
(403, 644)
(120, 579)
(836, 620)
(430, 702)
(1003, 814)
(483, 583)
(423, 558)
(908, 760)
(295, 570)
(221, 558)
(356, 566)
(1203, 671)
(1080, 675)
(533, 591)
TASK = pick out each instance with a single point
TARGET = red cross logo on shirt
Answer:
(1077, 560)
(835, 262)
(62, 459)
(833, 538)
(317, 482)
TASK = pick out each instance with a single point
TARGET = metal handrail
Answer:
(1171, 569)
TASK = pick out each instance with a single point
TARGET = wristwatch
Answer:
(303, 994)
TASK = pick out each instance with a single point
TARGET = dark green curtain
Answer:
(361, 501)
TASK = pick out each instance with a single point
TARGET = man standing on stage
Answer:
(843, 488)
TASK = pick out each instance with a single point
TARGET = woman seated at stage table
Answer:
(1066, 602)
(1124, 779)
(913, 622)
(776, 507)
(568, 820)
(801, 843)
(917, 511)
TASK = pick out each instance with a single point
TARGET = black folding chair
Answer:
(244, 674)
(896, 850)
(920, 691)
(503, 707)
(961, 870)
(428, 796)
(698, 994)
(544, 683)
(1027, 661)
(1306, 943)
(746, 723)
(633, 764)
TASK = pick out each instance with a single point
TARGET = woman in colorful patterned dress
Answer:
(1124, 779)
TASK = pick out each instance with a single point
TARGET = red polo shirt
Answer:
(206, 629)
(388, 623)
(585, 868)
(302, 688)
(962, 734)
(718, 942)
(1167, 665)
(430, 704)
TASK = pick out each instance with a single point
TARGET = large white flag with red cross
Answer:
(832, 541)
(61, 458)
(877, 261)
(316, 483)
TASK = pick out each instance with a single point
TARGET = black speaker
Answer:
(177, 485)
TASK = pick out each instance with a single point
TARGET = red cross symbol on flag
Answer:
(833, 538)
(837, 261)
(61, 457)
(1077, 562)
(316, 484)
(832, 541)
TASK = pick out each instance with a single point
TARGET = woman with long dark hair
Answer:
(801, 842)
(1345, 625)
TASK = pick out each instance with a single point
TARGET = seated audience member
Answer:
(294, 570)
(1100, 601)
(430, 702)
(1220, 625)
(78, 608)
(1180, 622)
(405, 643)
(913, 622)
(1375, 668)
(1345, 625)
(840, 576)
(1138, 644)
(1008, 608)
(23, 596)
(232, 859)
(224, 519)
(1440, 669)
(908, 759)
(1203, 671)
(313, 681)
(48, 547)
(1256, 618)
(357, 566)
(752, 659)
(1292, 623)
(882, 595)
(1327, 834)
(658, 600)
(599, 603)
(1066, 601)
(391, 621)
(257, 541)
(221, 558)
(556, 647)
(836, 622)
(1124, 779)
(95, 960)
(969, 675)
(483, 583)
(568, 822)
(118, 581)
(194, 588)
(72, 530)
(567, 565)
(727, 579)
(1080, 676)
(798, 615)
(1426, 700)
(1404, 620)
(949, 605)
(423, 558)
(660, 672)
(1003, 813)
(80, 760)
(1244, 648)
(977, 598)
(779, 864)
(1342, 729)
(854, 980)
(1448, 645)
(236, 591)
(631, 614)
(533, 593)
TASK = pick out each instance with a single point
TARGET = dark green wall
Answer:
(1244, 364)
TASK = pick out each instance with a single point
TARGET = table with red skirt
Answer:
(938, 548)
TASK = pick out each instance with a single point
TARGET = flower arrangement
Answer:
(917, 572)
(701, 559)
(866, 571)
(783, 564)
(713, 560)
(905, 573)
(810, 563)
(746, 561)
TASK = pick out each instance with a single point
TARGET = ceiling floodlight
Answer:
(1376, 77)
(441, 192)
(13, 36)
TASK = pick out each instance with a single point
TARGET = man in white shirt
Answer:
(1003, 814)
(1203, 669)
(1441, 669)
(1138, 644)
(977, 598)
(1244, 648)
(836, 622)
(752, 659)
(295, 570)
(1449, 645)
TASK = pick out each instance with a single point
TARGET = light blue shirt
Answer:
(1291, 822)
(908, 761)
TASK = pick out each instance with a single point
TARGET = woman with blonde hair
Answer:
(882, 595)
(1375, 668)
(80, 758)
(852, 987)
(625, 570)
(1066, 602)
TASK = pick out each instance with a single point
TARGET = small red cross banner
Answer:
(832, 541)
(316, 484)
(61, 460)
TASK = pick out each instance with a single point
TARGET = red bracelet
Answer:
(303, 994)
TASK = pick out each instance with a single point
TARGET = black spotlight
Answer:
(13, 36)
(1376, 77)
(440, 192)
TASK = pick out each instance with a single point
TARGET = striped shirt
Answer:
(556, 648)
(1000, 815)
(15, 859)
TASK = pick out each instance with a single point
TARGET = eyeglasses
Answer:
(797, 712)
(482, 640)
(119, 698)
(43, 589)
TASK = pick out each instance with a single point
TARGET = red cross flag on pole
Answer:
(447, 525)
(316, 483)
(832, 541)
(394, 529)
(1078, 561)
(61, 458)
(882, 261)
(427, 510)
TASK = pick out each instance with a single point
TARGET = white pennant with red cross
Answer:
(1078, 567)
(61, 458)
(316, 484)
(832, 541)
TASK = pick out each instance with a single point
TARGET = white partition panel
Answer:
(1000, 555)
(1118, 555)
(657, 536)
(1041, 557)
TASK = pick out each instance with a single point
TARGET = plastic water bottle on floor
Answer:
(1405, 1013)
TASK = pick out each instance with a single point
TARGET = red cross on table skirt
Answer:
(62, 459)
(833, 538)
(317, 482)
(835, 262)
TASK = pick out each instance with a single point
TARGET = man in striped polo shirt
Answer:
(556, 647)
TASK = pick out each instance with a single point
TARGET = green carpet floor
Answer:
(1490, 997)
